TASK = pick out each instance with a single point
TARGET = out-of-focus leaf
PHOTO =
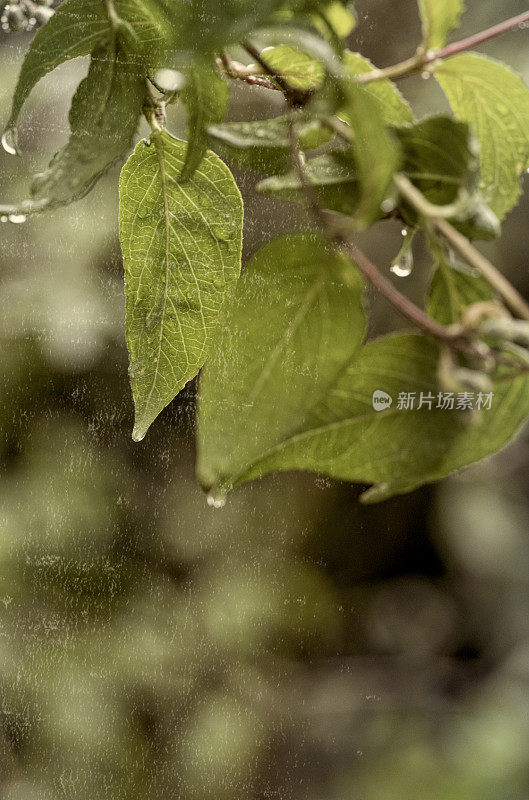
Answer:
(393, 107)
(103, 120)
(182, 249)
(264, 145)
(269, 369)
(74, 30)
(333, 177)
(439, 17)
(440, 159)
(453, 290)
(205, 96)
(373, 151)
(337, 17)
(494, 101)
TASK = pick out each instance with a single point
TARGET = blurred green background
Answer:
(293, 645)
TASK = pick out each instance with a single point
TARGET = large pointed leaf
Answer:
(396, 449)
(182, 248)
(272, 365)
(205, 96)
(291, 389)
(494, 101)
(439, 17)
(103, 120)
(75, 29)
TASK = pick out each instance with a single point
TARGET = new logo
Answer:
(381, 400)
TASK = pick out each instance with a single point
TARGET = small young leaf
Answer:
(103, 120)
(265, 145)
(439, 17)
(271, 367)
(182, 249)
(494, 101)
(301, 70)
(337, 17)
(393, 107)
(453, 290)
(205, 96)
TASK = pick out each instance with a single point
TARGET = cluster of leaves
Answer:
(288, 380)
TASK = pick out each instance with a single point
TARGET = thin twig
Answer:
(424, 59)
(477, 38)
(453, 336)
(512, 299)
(242, 72)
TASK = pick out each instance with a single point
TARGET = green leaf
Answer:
(302, 70)
(392, 105)
(336, 17)
(78, 26)
(452, 290)
(182, 249)
(494, 101)
(103, 120)
(272, 365)
(439, 17)
(373, 151)
(438, 158)
(367, 166)
(341, 434)
(264, 145)
(74, 30)
(205, 96)
(333, 177)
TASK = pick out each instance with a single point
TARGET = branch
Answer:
(242, 72)
(513, 300)
(423, 59)
(453, 336)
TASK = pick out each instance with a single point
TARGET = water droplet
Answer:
(169, 80)
(3, 218)
(138, 435)
(426, 75)
(388, 205)
(403, 264)
(401, 270)
(9, 141)
(17, 219)
(216, 502)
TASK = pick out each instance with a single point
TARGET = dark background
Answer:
(291, 645)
